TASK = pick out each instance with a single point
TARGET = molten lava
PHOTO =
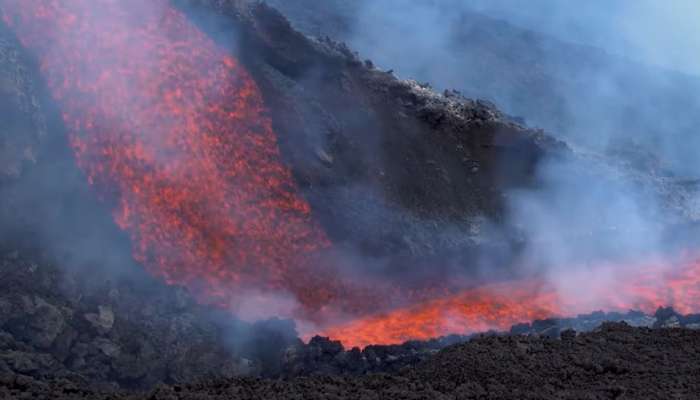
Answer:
(174, 129)
(499, 306)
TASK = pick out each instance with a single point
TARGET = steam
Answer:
(539, 62)
(615, 80)
(95, 72)
(588, 206)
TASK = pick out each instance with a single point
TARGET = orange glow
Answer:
(176, 127)
(174, 130)
(499, 306)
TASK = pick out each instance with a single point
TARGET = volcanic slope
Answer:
(356, 139)
(359, 142)
(395, 171)
(568, 89)
(100, 322)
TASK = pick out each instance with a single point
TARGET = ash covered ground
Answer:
(80, 319)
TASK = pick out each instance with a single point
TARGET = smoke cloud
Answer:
(652, 32)
(614, 79)
(631, 127)
(591, 74)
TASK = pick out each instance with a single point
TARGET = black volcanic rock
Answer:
(387, 165)
(572, 90)
(617, 361)
(392, 168)
(129, 334)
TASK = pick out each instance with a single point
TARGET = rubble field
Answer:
(616, 361)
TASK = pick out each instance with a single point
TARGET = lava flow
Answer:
(176, 127)
(499, 306)
(174, 130)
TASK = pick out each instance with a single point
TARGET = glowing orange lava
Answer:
(174, 129)
(499, 306)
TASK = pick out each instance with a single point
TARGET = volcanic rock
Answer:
(615, 362)
(386, 164)
(551, 83)
(116, 345)
(103, 320)
(41, 322)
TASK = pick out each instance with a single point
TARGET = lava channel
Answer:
(499, 306)
(175, 129)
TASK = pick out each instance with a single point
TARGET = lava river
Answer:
(174, 129)
(499, 306)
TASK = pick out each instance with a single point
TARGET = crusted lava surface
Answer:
(617, 361)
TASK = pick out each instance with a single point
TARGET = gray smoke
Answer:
(604, 74)
(664, 34)
(616, 80)
(631, 125)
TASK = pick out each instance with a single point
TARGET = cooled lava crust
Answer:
(617, 362)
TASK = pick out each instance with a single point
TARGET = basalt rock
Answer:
(322, 356)
(103, 339)
(387, 165)
(617, 361)
(394, 169)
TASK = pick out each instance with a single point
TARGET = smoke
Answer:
(44, 199)
(614, 79)
(587, 206)
(648, 31)
(642, 90)
(50, 208)
(589, 74)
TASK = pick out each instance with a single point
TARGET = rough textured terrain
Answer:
(389, 166)
(386, 165)
(574, 91)
(391, 169)
(615, 362)
(136, 333)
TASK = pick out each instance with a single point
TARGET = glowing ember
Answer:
(160, 115)
(175, 130)
(500, 306)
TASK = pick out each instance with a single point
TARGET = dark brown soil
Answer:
(615, 362)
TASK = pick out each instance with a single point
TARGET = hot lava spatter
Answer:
(499, 306)
(175, 129)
